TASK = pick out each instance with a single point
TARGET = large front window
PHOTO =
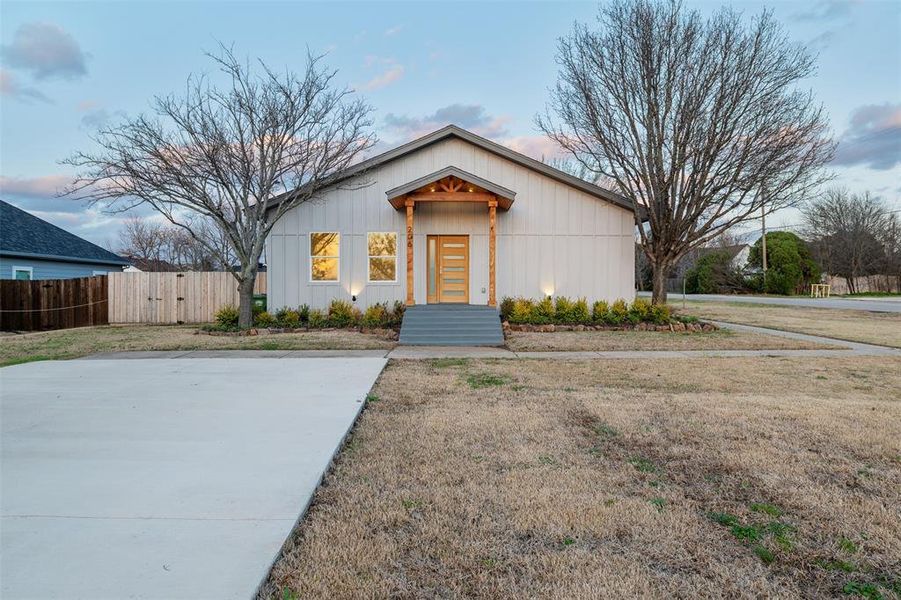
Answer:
(382, 256)
(324, 255)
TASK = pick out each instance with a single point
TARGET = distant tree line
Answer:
(852, 236)
(156, 246)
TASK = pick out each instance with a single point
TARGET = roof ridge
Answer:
(452, 129)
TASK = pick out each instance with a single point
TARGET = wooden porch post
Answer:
(409, 204)
(492, 250)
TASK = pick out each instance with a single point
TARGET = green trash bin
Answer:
(259, 302)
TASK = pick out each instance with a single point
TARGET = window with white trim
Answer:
(23, 273)
(382, 260)
(325, 251)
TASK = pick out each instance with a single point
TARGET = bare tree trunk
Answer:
(659, 278)
(245, 293)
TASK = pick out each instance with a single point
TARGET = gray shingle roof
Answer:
(23, 234)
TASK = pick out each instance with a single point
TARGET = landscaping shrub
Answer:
(712, 274)
(523, 310)
(563, 308)
(660, 314)
(397, 314)
(318, 318)
(264, 319)
(640, 311)
(599, 311)
(580, 313)
(544, 311)
(304, 311)
(564, 311)
(376, 315)
(342, 313)
(227, 316)
(619, 312)
(506, 308)
(288, 318)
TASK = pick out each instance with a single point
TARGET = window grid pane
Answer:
(325, 250)
(324, 244)
(383, 244)
(382, 248)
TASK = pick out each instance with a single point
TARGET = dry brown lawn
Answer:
(854, 325)
(736, 478)
(520, 341)
(72, 343)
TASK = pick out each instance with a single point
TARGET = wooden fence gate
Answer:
(53, 303)
(190, 297)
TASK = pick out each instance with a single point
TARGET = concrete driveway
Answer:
(163, 478)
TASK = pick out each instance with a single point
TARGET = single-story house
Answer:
(452, 218)
(31, 248)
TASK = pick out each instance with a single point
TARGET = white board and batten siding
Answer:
(555, 239)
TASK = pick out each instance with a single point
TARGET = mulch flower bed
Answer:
(388, 334)
(676, 326)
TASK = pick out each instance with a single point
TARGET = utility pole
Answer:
(763, 235)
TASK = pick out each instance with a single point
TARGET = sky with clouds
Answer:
(68, 67)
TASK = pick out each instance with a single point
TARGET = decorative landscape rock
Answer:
(677, 326)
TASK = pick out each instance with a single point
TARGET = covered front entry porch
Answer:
(448, 261)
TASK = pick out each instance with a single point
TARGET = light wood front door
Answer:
(448, 265)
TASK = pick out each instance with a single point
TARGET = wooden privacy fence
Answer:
(53, 303)
(191, 297)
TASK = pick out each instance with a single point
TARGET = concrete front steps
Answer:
(451, 325)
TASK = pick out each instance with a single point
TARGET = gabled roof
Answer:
(507, 196)
(458, 173)
(24, 235)
(452, 131)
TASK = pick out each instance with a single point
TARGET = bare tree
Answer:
(690, 118)
(165, 247)
(221, 156)
(145, 240)
(849, 233)
(892, 242)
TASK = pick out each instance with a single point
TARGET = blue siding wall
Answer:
(48, 269)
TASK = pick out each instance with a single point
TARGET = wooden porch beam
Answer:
(492, 252)
(451, 197)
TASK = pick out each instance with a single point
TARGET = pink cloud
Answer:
(10, 87)
(473, 117)
(87, 105)
(391, 75)
(539, 147)
(47, 186)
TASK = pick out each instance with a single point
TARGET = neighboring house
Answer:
(453, 218)
(738, 258)
(31, 248)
